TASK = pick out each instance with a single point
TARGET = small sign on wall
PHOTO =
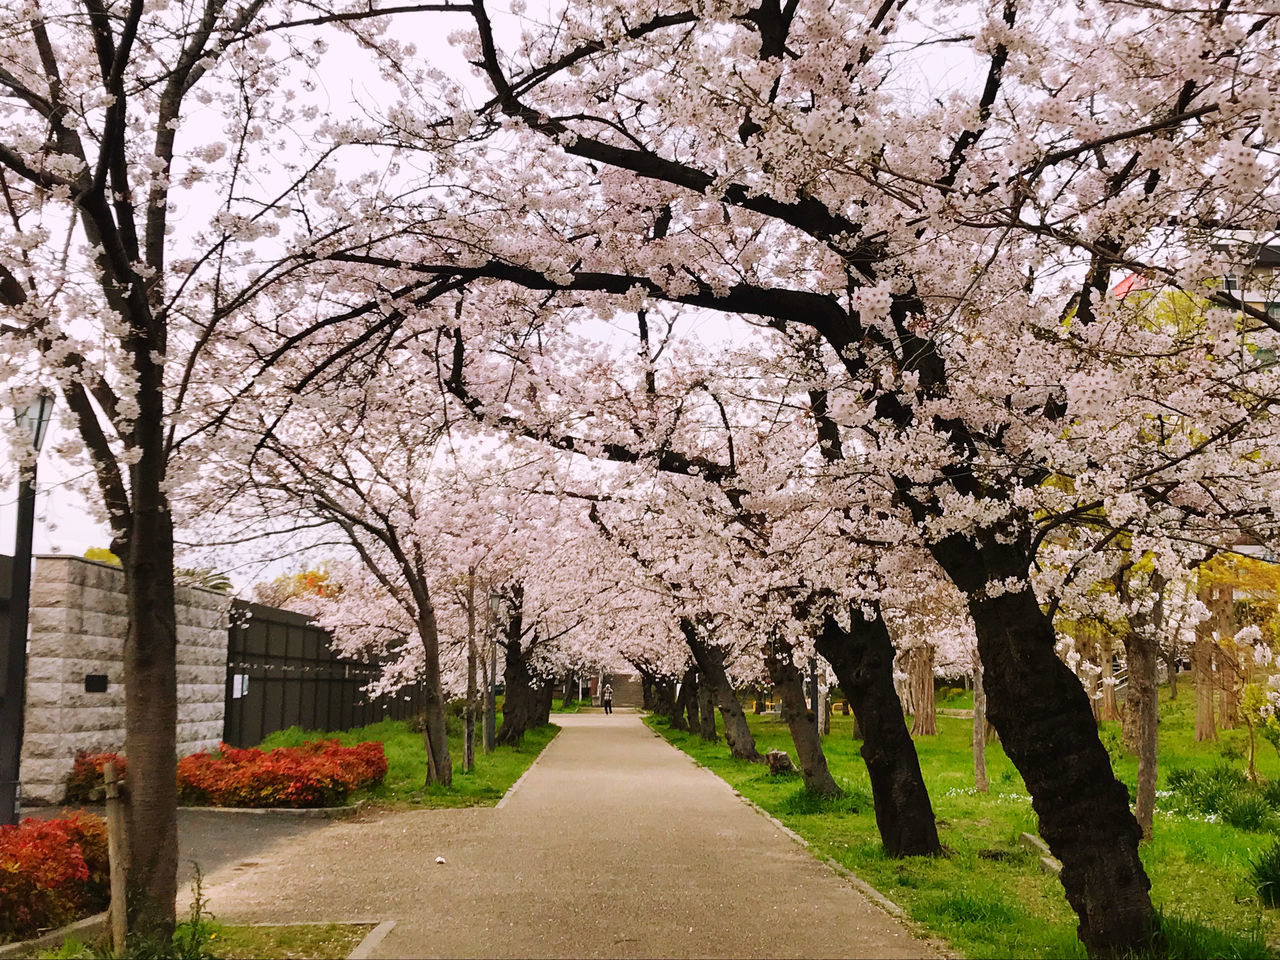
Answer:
(239, 685)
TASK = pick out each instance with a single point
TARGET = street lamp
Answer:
(33, 418)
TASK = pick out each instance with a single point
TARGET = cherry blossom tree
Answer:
(954, 254)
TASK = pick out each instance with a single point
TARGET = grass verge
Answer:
(483, 786)
(988, 896)
(287, 941)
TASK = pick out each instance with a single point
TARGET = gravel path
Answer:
(614, 844)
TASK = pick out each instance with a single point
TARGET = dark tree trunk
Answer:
(757, 703)
(151, 711)
(1142, 706)
(862, 659)
(706, 710)
(570, 693)
(435, 734)
(546, 696)
(710, 660)
(1047, 728)
(665, 701)
(689, 693)
(789, 683)
(1171, 667)
(646, 691)
(520, 703)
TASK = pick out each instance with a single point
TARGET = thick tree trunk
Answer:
(520, 703)
(546, 700)
(435, 735)
(710, 661)
(706, 710)
(646, 691)
(1142, 708)
(924, 718)
(1227, 657)
(757, 702)
(980, 781)
(684, 696)
(862, 658)
(1042, 715)
(151, 712)
(664, 689)
(689, 691)
(789, 684)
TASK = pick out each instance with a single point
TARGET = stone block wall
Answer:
(78, 623)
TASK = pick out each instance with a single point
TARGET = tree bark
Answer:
(789, 683)
(569, 692)
(1142, 705)
(706, 710)
(1108, 706)
(862, 659)
(1227, 657)
(646, 691)
(710, 661)
(689, 692)
(151, 712)
(1202, 664)
(1046, 726)
(665, 701)
(980, 781)
(520, 703)
(1171, 667)
(435, 735)
(924, 719)
(546, 697)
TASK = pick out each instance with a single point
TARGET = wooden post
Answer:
(116, 848)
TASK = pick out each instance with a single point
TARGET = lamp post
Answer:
(34, 419)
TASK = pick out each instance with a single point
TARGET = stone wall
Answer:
(78, 626)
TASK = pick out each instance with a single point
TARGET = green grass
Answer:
(484, 786)
(315, 941)
(289, 941)
(988, 896)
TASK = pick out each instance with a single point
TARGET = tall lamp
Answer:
(33, 418)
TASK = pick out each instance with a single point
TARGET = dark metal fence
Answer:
(281, 673)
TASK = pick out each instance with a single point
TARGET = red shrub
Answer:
(86, 775)
(51, 872)
(320, 773)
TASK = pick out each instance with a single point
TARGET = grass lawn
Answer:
(989, 897)
(314, 941)
(484, 786)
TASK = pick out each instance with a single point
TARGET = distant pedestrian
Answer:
(607, 698)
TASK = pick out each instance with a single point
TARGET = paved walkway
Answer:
(614, 844)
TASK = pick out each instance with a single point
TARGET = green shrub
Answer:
(1248, 810)
(1265, 872)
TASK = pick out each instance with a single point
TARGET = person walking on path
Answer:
(606, 698)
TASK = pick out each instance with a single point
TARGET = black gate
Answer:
(281, 673)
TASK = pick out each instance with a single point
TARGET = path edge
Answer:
(372, 940)
(529, 769)
(888, 906)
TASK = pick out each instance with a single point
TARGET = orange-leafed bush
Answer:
(320, 773)
(51, 872)
(86, 775)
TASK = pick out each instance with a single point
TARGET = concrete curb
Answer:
(372, 940)
(512, 789)
(89, 927)
(299, 813)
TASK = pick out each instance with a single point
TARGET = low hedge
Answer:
(51, 873)
(86, 776)
(319, 773)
